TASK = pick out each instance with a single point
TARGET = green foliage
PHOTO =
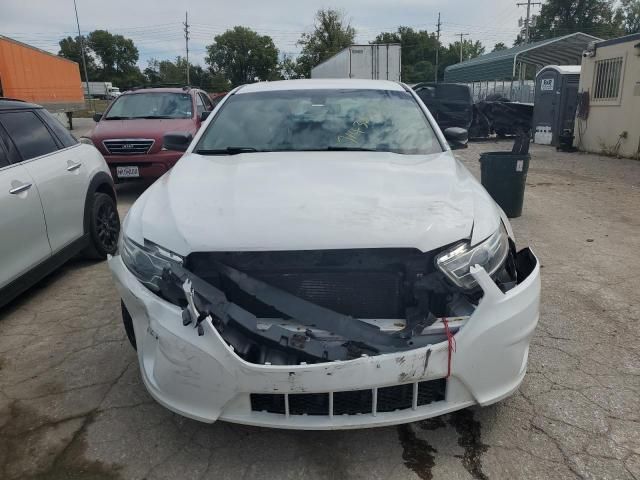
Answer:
(331, 33)
(242, 56)
(562, 17)
(288, 68)
(499, 46)
(418, 52)
(110, 58)
(70, 48)
(628, 15)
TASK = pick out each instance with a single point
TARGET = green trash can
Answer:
(503, 175)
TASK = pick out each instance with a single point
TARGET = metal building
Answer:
(555, 102)
(498, 68)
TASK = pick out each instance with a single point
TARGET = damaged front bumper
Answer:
(201, 377)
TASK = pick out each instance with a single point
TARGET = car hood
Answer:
(313, 200)
(140, 128)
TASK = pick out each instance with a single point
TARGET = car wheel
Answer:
(128, 325)
(104, 227)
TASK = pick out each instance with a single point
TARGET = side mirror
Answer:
(456, 137)
(177, 141)
(204, 115)
(97, 117)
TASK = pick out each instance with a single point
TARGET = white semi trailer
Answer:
(377, 61)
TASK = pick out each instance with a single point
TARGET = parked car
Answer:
(318, 259)
(56, 197)
(451, 104)
(129, 133)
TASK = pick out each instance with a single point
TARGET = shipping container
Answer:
(378, 62)
(33, 75)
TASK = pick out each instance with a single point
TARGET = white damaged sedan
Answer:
(318, 259)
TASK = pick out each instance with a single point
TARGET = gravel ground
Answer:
(72, 404)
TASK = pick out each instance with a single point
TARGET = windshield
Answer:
(151, 105)
(320, 120)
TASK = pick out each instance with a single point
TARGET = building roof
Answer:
(501, 65)
(322, 84)
(627, 38)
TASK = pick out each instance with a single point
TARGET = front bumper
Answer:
(150, 166)
(202, 378)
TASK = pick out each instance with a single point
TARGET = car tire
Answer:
(104, 227)
(128, 325)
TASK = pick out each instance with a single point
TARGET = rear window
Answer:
(151, 105)
(64, 136)
(454, 92)
(320, 120)
(28, 133)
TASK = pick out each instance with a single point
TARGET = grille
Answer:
(353, 402)
(128, 147)
(360, 294)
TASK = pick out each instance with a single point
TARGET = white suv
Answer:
(56, 197)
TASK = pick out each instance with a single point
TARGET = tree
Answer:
(70, 49)
(499, 46)
(110, 58)
(242, 56)
(418, 52)
(562, 17)
(288, 68)
(628, 15)
(331, 33)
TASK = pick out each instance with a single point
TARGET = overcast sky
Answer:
(157, 30)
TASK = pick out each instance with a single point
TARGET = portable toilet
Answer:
(556, 99)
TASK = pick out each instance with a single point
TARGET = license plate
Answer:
(127, 172)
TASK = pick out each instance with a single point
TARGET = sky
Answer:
(156, 27)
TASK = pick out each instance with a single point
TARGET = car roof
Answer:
(14, 104)
(322, 84)
(159, 90)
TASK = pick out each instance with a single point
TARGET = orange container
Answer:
(30, 74)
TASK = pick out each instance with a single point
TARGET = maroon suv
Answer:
(129, 134)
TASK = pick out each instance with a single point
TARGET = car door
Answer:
(23, 232)
(53, 161)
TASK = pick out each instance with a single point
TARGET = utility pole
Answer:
(527, 22)
(461, 35)
(438, 46)
(186, 40)
(84, 61)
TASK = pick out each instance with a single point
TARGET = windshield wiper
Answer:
(115, 117)
(156, 116)
(228, 151)
(351, 149)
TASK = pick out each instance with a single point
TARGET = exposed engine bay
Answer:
(292, 307)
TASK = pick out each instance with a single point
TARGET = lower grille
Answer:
(352, 402)
(128, 147)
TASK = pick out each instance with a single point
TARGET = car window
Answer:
(317, 120)
(64, 136)
(4, 156)
(207, 101)
(199, 105)
(28, 133)
(151, 105)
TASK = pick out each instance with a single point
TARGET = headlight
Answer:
(147, 262)
(490, 255)
(86, 140)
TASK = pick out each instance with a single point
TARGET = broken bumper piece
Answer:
(199, 375)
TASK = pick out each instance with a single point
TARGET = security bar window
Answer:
(606, 83)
